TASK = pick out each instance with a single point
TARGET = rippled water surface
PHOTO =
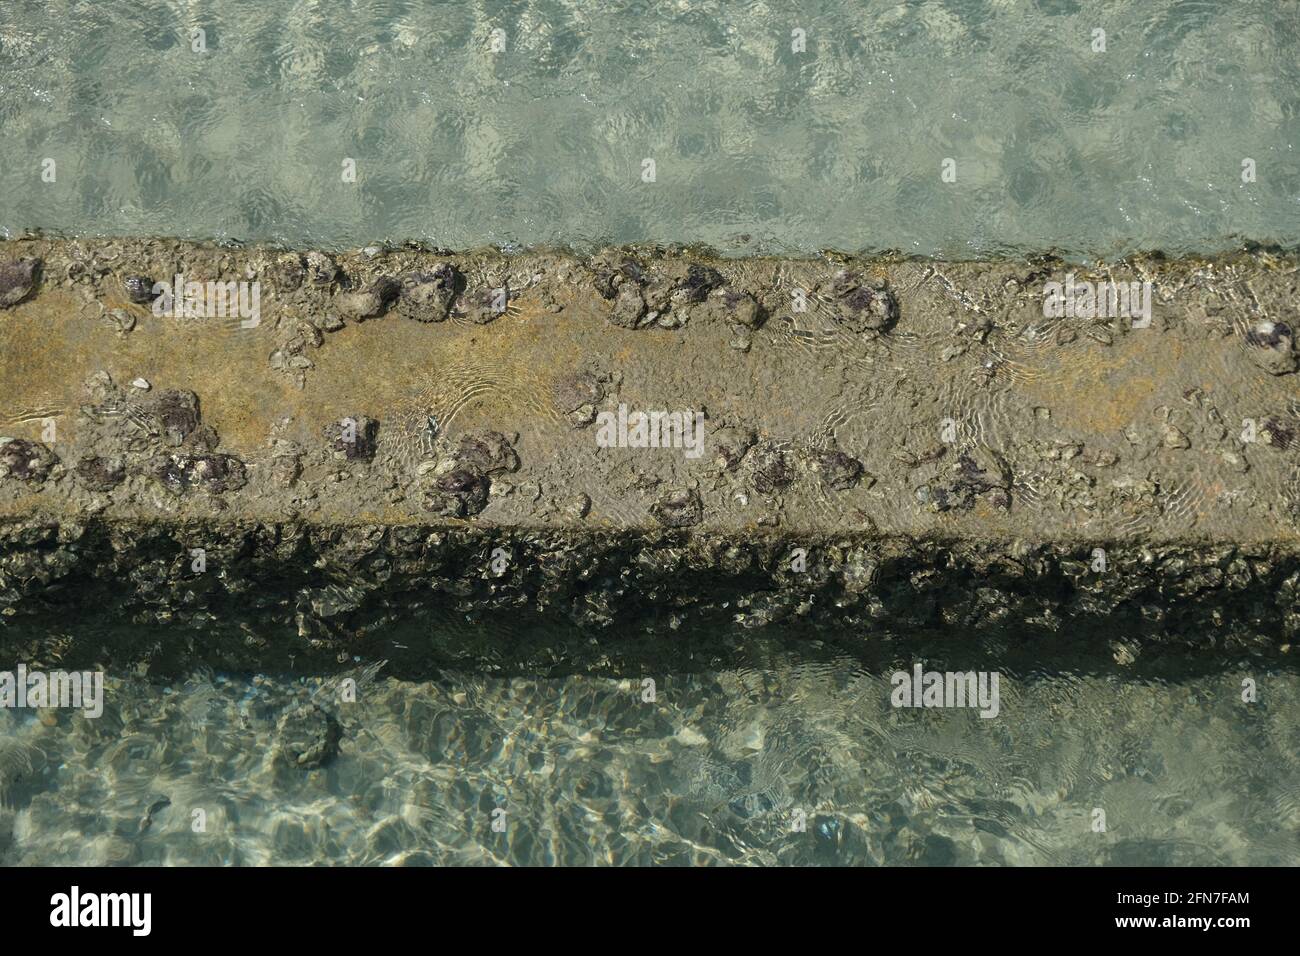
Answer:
(756, 145)
(718, 768)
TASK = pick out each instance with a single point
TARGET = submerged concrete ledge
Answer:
(326, 442)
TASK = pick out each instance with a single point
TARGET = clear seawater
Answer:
(791, 752)
(756, 146)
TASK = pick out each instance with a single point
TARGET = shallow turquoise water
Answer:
(756, 145)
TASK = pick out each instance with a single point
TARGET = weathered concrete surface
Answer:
(942, 452)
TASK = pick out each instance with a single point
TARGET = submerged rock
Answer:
(462, 481)
(577, 507)
(629, 307)
(611, 271)
(403, 531)
(309, 736)
(1276, 433)
(771, 468)
(837, 469)
(288, 272)
(976, 472)
(321, 270)
(427, 296)
(118, 320)
(577, 395)
(139, 289)
(487, 305)
(176, 412)
(215, 474)
(460, 493)
(157, 804)
(354, 438)
(26, 460)
(1171, 436)
(286, 469)
(731, 443)
(738, 308)
(678, 508)
(673, 291)
(100, 474)
(488, 452)
(370, 303)
(693, 283)
(665, 296)
(864, 304)
(1272, 348)
(17, 279)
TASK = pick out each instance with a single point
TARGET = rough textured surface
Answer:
(408, 428)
